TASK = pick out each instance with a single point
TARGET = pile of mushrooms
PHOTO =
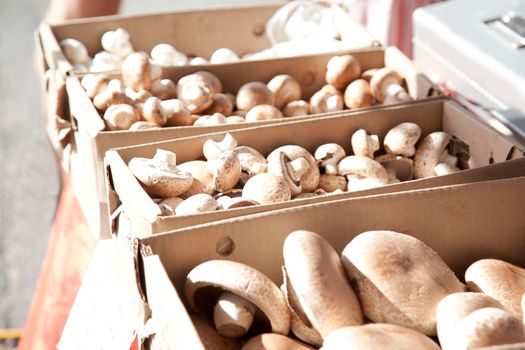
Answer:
(234, 176)
(386, 290)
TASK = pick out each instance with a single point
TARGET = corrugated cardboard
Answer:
(462, 223)
(91, 141)
(137, 214)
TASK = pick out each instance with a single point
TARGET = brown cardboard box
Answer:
(92, 141)
(134, 212)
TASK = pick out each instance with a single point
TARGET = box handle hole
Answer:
(225, 246)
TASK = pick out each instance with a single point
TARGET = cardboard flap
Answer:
(108, 311)
(82, 109)
(131, 194)
(170, 323)
(53, 54)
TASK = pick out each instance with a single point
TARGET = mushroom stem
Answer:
(165, 159)
(213, 149)
(233, 315)
(444, 169)
(448, 159)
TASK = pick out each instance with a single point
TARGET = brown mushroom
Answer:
(138, 73)
(290, 170)
(221, 104)
(402, 138)
(363, 144)
(226, 171)
(263, 112)
(358, 94)
(285, 89)
(386, 85)
(332, 183)
(164, 89)
(328, 156)
(176, 114)
(95, 84)
(196, 204)
(253, 94)
(431, 151)
(121, 116)
(341, 70)
(152, 111)
(328, 99)
(266, 188)
(398, 168)
(368, 74)
(196, 90)
(213, 149)
(202, 178)
(362, 173)
(296, 109)
(310, 179)
(208, 120)
(109, 97)
(252, 162)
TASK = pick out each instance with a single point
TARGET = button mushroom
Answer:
(121, 116)
(368, 74)
(74, 50)
(328, 156)
(272, 341)
(160, 175)
(363, 144)
(167, 55)
(285, 89)
(196, 204)
(175, 112)
(209, 120)
(310, 179)
(221, 104)
(138, 96)
(358, 94)
(316, 276)
(502, 281)
(265, 188)
(328, 99)
(95, 84)
(138, 73)
(263, 112)
(398, 168)
(386, 85)
(226, 170)
(378, 336)
(362, 173)
(252, 162)
(224, 55)
(253, 94)
(332, 183)
(196, 90)
(401, 139)
(117, 42)
(202, 178)
(109, 97)
(253, 286)
(164, 89)
(296, 109)
(406, 287)
(152, 111)
(213, 149)
(431, 151)
(290, 170)
(341, 70)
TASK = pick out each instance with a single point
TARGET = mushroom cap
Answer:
(107, 98)
(235, 119)
(402, 138)
(166, 55)
(226, 171)
(117, 42)
(402, 168)
(210, 80)
(239, 202)
(363, 144)
(94, 84)
(453, 308)
(207, 120)
(318, 279)
(153, 111)
(296, 109)
(213, 149)
(121, 116)
(408, 283)
(381, 80)
(331, 183)
(310, 179)
(358, 94)
(143, 125)
(341, 70)
(265, 188)
(205, 282)
(428, 154)
(221, 104)
(378, 336)
(168, 205)
(224, 55)
(502, 281)
(209, 336)
(160, 180)
(328, 99)
(263, 112)
(285, 89)
(176, 113)
(487, 327)
(362, 167)
(196, 204)
(253, 94)
(137, 71)
(202, 177)
(368, 74)
(74, 50)
(164, 89)
(196, 95)
(137, 96)
(252, 162)
(328, 156)
(272, 341)
(282, 166)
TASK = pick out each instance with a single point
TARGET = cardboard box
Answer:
(134, 212)
(462, 223)
(92, 141)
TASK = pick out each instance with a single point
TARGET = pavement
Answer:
(29, 182)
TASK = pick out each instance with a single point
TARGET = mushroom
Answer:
(226, 170)
(235, 119)
(358, 94)
(168, 206)
(253, 94)
(210, 338)
(272, 341)
(263, 112)
(362, 173)
(227, 202)
(233, 315)
(341, 70)
(121, 116)
(198, 61)
(176, 114)
(252, 162)
(285, 89)
(328, 99)
(310, 179)
(117, 42)
(202, 178)
(316, 276)
(386, 86)
(196, 90)
(328, 156)
(406, 287)
(210, 120)
(398, 168)
(160, 175)
(74, 50)
(110, 97)
(105, 61)
(402, 138)
(221, 104)
(431, 151)
(209, 79)
(138, 96)
(266, 188)
(205, 281)
(138, 73)
(502, 281)
(452, 309)
(488, 327)
(290, 170)
(213, 149)
(445, 169)
(95, 84)
(164, 89)
(224, 55)
(196, 204)
(296, 109)
(331, 183)
(378, 336)
(153, 112)
(363, 144)
(143, 125)
(368, 74)
(167, 55)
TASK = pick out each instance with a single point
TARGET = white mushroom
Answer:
(431, 151)
(328, 156)
(196, 204)
(117, 42)
(266, 188)
(401, 139)
(224, 55)
(213, 149)
(75, 51)
(362, 173)
(167, 55)
(363, 144)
